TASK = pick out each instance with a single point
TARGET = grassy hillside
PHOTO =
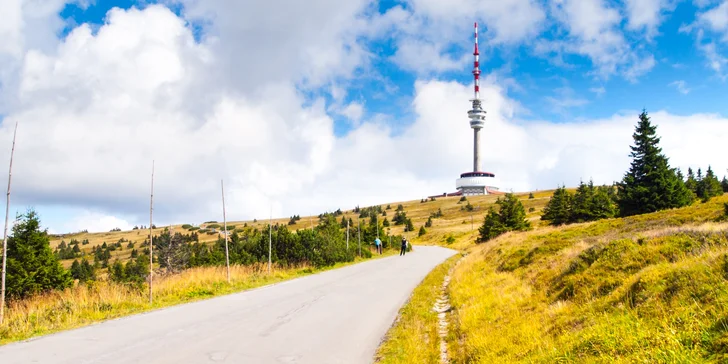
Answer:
(645, 288)
(455, 222)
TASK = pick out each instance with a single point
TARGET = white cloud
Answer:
(426, 31)
(93, 222)
(564, 99)
(594, 29)
(647, 14)
(598, 90)
(711, 28)
(354, 111)
(681, 86)
(716, 19)
(96, 109)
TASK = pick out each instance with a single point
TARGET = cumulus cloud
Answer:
(647, 15)
(594, 31)
(97, 107)
(681, 86)
(711, 30)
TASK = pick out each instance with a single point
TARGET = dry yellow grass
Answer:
(648, 288)
(461, 225)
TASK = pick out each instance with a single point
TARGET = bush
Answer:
(530, 196)
(511, 217)
(186, 226)
(422, 231)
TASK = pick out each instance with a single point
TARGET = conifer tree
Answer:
(724, 184)
(32, 267)
(510, 217)
(710, 186)
(650, 184)
(558, 209)
(581, 203)
(423, 231)
(602, 205)
(691, 184)
(492, 226)
(429, 222)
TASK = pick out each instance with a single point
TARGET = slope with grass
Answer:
(644, 288)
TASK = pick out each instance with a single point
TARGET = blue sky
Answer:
(539, 79)
(558, 66)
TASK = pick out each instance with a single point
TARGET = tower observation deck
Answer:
(476, 182)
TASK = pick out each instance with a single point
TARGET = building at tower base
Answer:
(477, 183)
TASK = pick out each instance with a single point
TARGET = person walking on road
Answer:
(378, 244)
(404, 246)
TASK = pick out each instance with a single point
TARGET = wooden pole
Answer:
(270, 238)
(359, 232)
(347, 234)
(151, 244)
(224, 222)
(5, 235)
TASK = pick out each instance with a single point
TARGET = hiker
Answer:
(378, 244)
(404, 246)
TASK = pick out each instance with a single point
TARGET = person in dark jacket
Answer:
(404, 246)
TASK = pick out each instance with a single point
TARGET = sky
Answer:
(306, 107)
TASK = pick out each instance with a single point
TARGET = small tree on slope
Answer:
(558, 209)
(510, 217)
(650, 184)
(710, 186)
(32, 267)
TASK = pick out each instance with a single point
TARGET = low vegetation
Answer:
(648, 287)
(414, 337)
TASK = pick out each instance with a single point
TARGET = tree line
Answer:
(33, 267)
(649, 185)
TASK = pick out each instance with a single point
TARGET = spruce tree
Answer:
(512, 213)
(558, 209)
(510, 217)
(423, 231)
(650, 184)
(32, 267)
(724, 184)
(492, 226)
(581, 203)
(710, 186)
(691, 183)
(602, 205)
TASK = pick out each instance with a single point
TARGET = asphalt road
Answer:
(338, 316)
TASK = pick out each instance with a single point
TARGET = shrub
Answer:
(511, 217)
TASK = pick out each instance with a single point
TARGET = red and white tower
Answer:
(476, 182)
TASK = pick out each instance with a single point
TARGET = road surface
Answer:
(338, 316)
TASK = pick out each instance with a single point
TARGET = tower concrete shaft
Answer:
(476, 150)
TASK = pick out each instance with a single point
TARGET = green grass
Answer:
(414, 337)
(649, 288)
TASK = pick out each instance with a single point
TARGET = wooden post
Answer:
(151, 244)
(359, 232)
(224, 222)
(347, 234)
(270, 238)
(5, 235)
